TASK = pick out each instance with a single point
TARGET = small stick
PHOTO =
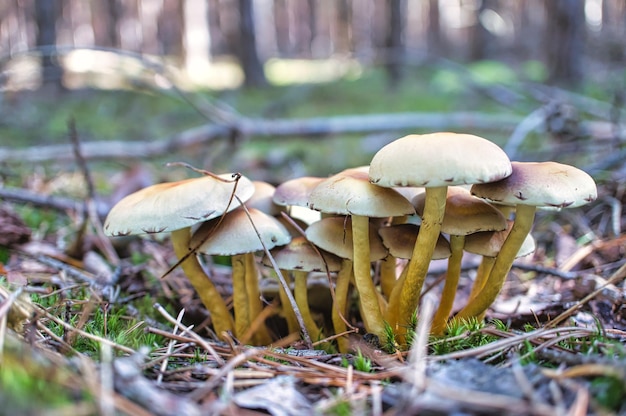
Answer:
(188, 331)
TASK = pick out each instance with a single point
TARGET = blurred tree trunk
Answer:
(434, 35)
(171, 28)
(281, 27)
(104, 21)
(481, 40)
(394, 56)
(247, 50)
(565, 37)
(312, 22)
(46, 14)
(342, 34)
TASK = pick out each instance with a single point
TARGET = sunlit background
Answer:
(297, 41)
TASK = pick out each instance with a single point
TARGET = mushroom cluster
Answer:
(423, 197)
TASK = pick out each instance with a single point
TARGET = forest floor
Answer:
(92, 327)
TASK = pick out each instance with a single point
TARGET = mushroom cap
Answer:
(438, 159)
(489, 243)
(299, 254)
(334, 234)
(400, 240)
(464, 213)
(236, 235)
(262, 199)
(351, 193)
(542, 184)
(171, 206)
(296, 191)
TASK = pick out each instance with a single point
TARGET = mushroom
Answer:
(400, 241)
(175, 207)
(300, 258)
(240, 234)
(488, 245)
(334, 234)
(434, 161)
(531, 185)
(294, 194)
(464, 215)
(350, 193)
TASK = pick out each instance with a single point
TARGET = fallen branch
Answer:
(247, 127)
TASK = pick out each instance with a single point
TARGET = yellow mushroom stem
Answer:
(342, 286)
(482, 274)
(206, 290)
(410, 284)
(301, 294)
(372, 315)
(524, 218)
(449, 289)
(287, 309)
(261, 334)
(387, 275)
(241, 306)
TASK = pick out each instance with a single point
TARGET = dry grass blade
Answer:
(187, 330)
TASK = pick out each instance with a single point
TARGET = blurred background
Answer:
(223, 43)
(185, 63)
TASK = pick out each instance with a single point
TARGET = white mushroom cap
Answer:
(465, 214)
(351, 193)
(400, 240)
(489, 243)
(170, 206)
(262, 199)
(438, 159)
(334, 234)
(296, 191)
(299, 254)
(542, 184)
(236, 235)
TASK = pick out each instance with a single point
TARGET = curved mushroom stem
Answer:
(261, 334)
(449, 289)
(301, 294)
(240, 295)
(372, 316)
(411, 286)
(342, 286)
(288, 313)
(524, 217)
(393, 307)
(482, 274)
(387, 275)
(206, 290)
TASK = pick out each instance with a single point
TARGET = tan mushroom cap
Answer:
(542, 184)
(438, 159)
(351, 193)
(400, 240)
(236, 235)
(263, 198)
(489, 243)
(334, 234)
(299, 254)
(464, 213)
(171, 206)
(296, 191)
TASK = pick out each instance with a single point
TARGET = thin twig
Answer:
(187, 330)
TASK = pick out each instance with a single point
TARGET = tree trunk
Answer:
(394, 55)
(481, 40)
(104, 20)
(565, 37)
(46, 13)
(171, 29)
(435, 38)
(248, 54)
